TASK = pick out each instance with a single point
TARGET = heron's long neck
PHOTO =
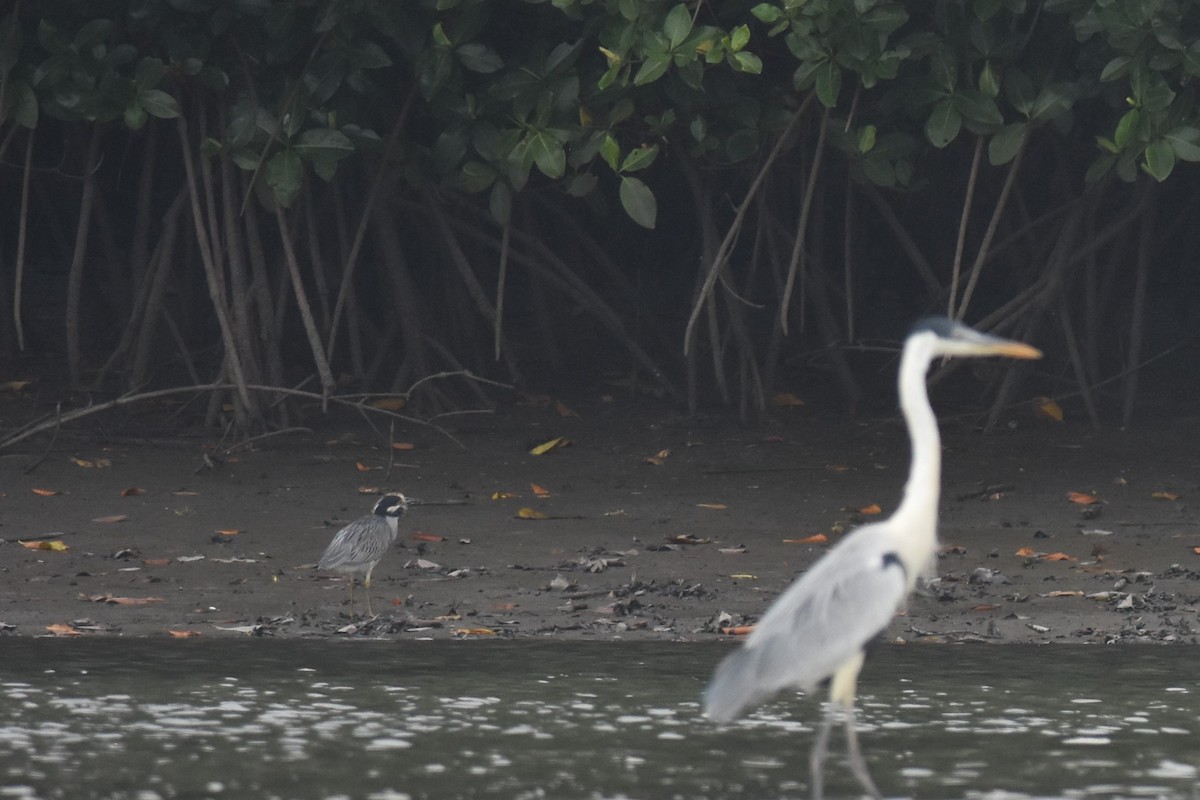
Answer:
(918, 509)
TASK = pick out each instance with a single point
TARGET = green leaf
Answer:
(1116, 68)
(678, 25)
(479, 58)
(943, 124)
(1185, 141)
(1100, 167)
(548, 154)
(500, 203)
(284, 174)
(440, 37)
(159, 104)
(1127, 128)
(148, 73)
(1160, 159)
(582, 185)
(1006, 142)
(748, 62)
(639, 202)
(640, 158)
(989, 81)
(92, 33)
(879, 171)
(765, 12)
(866, 139)
(610, 151)
(829, 83)
(135, 117)
(1019, 90)
(1053, 101)
(977, 107)
(653, 68)
(323, 144)
(739, 37)
(477, 176)
(325, 170)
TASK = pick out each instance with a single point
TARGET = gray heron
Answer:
(359, 546)
(819, 627)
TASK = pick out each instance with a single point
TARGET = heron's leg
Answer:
(820, 749)
(367, 589)
(351, 576)
(858, 764)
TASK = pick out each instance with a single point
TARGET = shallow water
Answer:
(146, 719)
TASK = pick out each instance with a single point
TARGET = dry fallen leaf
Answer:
(1082, 498)
(361, 467)
(1048, 409)
(185, 493)
(1064, 593)
(743, 576)
(1058, 557)
(119, 601)
(712, 506)
(46, 492)
(132, 491)
(530, 513)
(227, 531)
(183, 634)
(870, 510)
(985, 607)
(474, 632)
(403, 446)
(687, 538)
(540, 491)
(55, 545)
(389, 403)
(563, 410)
(156, 562)
(427, 537)
(111, 518)
(658, 458)
(503, 495)
(786, 400)
(838, 467)
(63, 629)
(1196, 550)
(547, 446)
(1026, 552)
(369, 490)
(816, 538)
(737, 630)
(13, 386)
(1164, 495)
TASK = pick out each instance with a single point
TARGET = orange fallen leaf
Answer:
(403, 446)
(227, 531)
(1048, 409)
(547, 446)
(361, 467)
(837, 467)
(563, 410)
(1082, 498)
(63, 629)
(56, 545)
(156, 562)
(1196, 550)
(786, 400)
(183, 634)
(985, 607)
(540, 491)
(871, 509)
(427, 537)
(816, 538)
(132, 491)
(46, 492)
(389, 403)
(1026, 552)
(530, 513)
(474, 632)
(1164, 495)
(503, 495)
(1058, 557)
(712, 506)
(111, 518)
(737, 630)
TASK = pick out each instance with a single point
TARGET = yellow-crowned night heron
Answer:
(358, 547)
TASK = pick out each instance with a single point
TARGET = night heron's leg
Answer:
(367, 589)
(820, 749)
(351, 577)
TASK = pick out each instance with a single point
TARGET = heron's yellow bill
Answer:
(1016, 350)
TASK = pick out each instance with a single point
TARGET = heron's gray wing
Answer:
(359, 544)
(816, 626)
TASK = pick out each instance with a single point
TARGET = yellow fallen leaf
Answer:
(56, 545)
(81, 463)
(1164, 495)
(1048, 409)
(530, 513)
(786, 400)
(546, 447)
(816, 538)
(63, 629)
(540, 491)
(744, 576)
(658, 458)
(837, 467)
(389, 403)
(712, 506)
(738, 630)
(1064, 593)
(369, 490)
(503, 495)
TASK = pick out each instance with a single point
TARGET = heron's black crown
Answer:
(393, 505)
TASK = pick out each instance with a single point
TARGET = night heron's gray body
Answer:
(359, 546)
(819, 627)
